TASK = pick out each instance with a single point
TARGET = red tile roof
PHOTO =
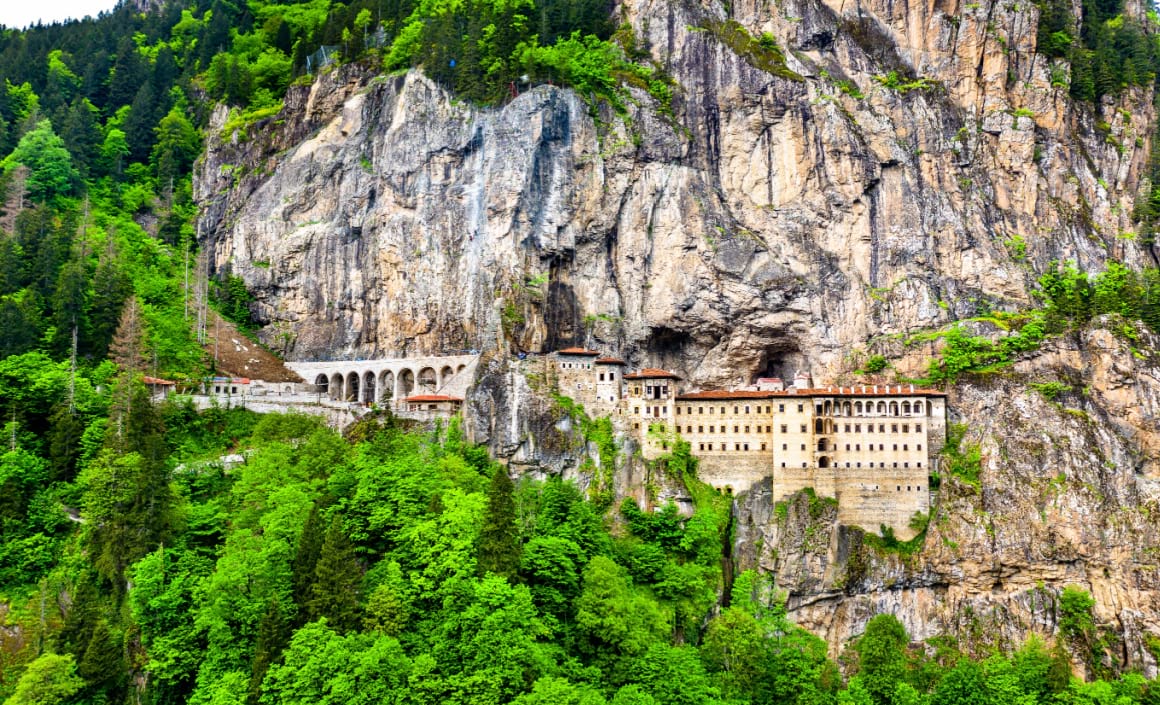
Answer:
(578, 351)
(610, 361)
(431, 397)
(651, 373)
(868, 390)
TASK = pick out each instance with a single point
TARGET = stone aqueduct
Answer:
(389, 380)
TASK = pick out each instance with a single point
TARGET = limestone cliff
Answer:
(769, 223)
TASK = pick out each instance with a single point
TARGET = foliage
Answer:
(760, 52)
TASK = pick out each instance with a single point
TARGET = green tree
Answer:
(499, 548)
(882, 657)
(49, 680)
(50, 168)
(177, 146)
(337, 578)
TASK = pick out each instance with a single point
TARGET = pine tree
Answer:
(111, 289)
(103, 663)
(336, 582)
(274, 633)
(128, 351)
(498, 550)
(64, 442)
(306, 560)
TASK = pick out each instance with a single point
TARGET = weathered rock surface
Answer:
(769, 224)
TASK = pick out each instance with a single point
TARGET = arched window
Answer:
(386, 385)
(336, 387)
(881, 407)
(894, 408)
(906, 408)
(445, 375)
(427, 380)
(846, 408)
(858, 408)
(322, 384)
(351, 387)
(823, 462)
(828, 409)
(818, 426)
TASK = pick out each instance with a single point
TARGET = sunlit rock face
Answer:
(764, 225)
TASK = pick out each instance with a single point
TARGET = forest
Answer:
(389, 564)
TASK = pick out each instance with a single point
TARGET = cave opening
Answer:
(782, 359)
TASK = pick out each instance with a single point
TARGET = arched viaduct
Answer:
(385, 381)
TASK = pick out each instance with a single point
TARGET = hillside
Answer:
(961, 197)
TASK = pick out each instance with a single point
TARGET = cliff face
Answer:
(768, 224)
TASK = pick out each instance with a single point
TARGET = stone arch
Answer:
(428, 382)
(406, 382)
(827, 408)
(445, 375)
(368, 387)
(894, 408)
(386, 385)
(846, 408)
(460, 369)
(823, 462)
(818, 426)
(906, 408)
(336, 386)
(881, 408)
(322, 383)
(858, 408)
(352, 386)
(929, 409)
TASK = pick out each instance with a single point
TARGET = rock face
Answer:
(768, 224)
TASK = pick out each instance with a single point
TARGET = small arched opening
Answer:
(846, 408)
(427, 380)
(906, 408)
(858, 408)
(929, 409)
(336, 386)
(881, 408)
(894, 408)
(368, 387)
(322, 384)
(818, 426)
(823, 462)
(445, 375)
(828, 408)
(406, 383)
(460, 369)
(352, 386)
(386, 385)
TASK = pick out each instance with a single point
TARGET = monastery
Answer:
(871, 447)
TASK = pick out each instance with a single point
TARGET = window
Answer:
(702, 446)
(432, 407)
(803, 446)
(882, 428)
(803, 428)
(678, 411)
(700, 429)
(763, 446)
(896, 465)
(735, 429)
(801, 408)
(636, 426)
(857, 428)
(784, 428)
(710, 410)
(784, 446)
(781, 410)
(920, 464)
(857, 465)
(847, 446)
(906, 465)
(880, 447)
(904, 446)
(803, 465)
(918, 428)
(906, 428)
(737, 446)
(636, 409)
(919, 446)
(611, 376)
(636, 391)
(722, 410)
(747, 409)
(712, 429)
(847, 463)
(710, 446)
(869, 428)
(601, 376)
(857, 446)
(734, 410)
(898, 488)
(894, 428)
(747, 429)
(871, 463)
(700, 409)
(783, 465)
(895, 447)
(847, 428)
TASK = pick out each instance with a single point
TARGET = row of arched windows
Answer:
(369, 387)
